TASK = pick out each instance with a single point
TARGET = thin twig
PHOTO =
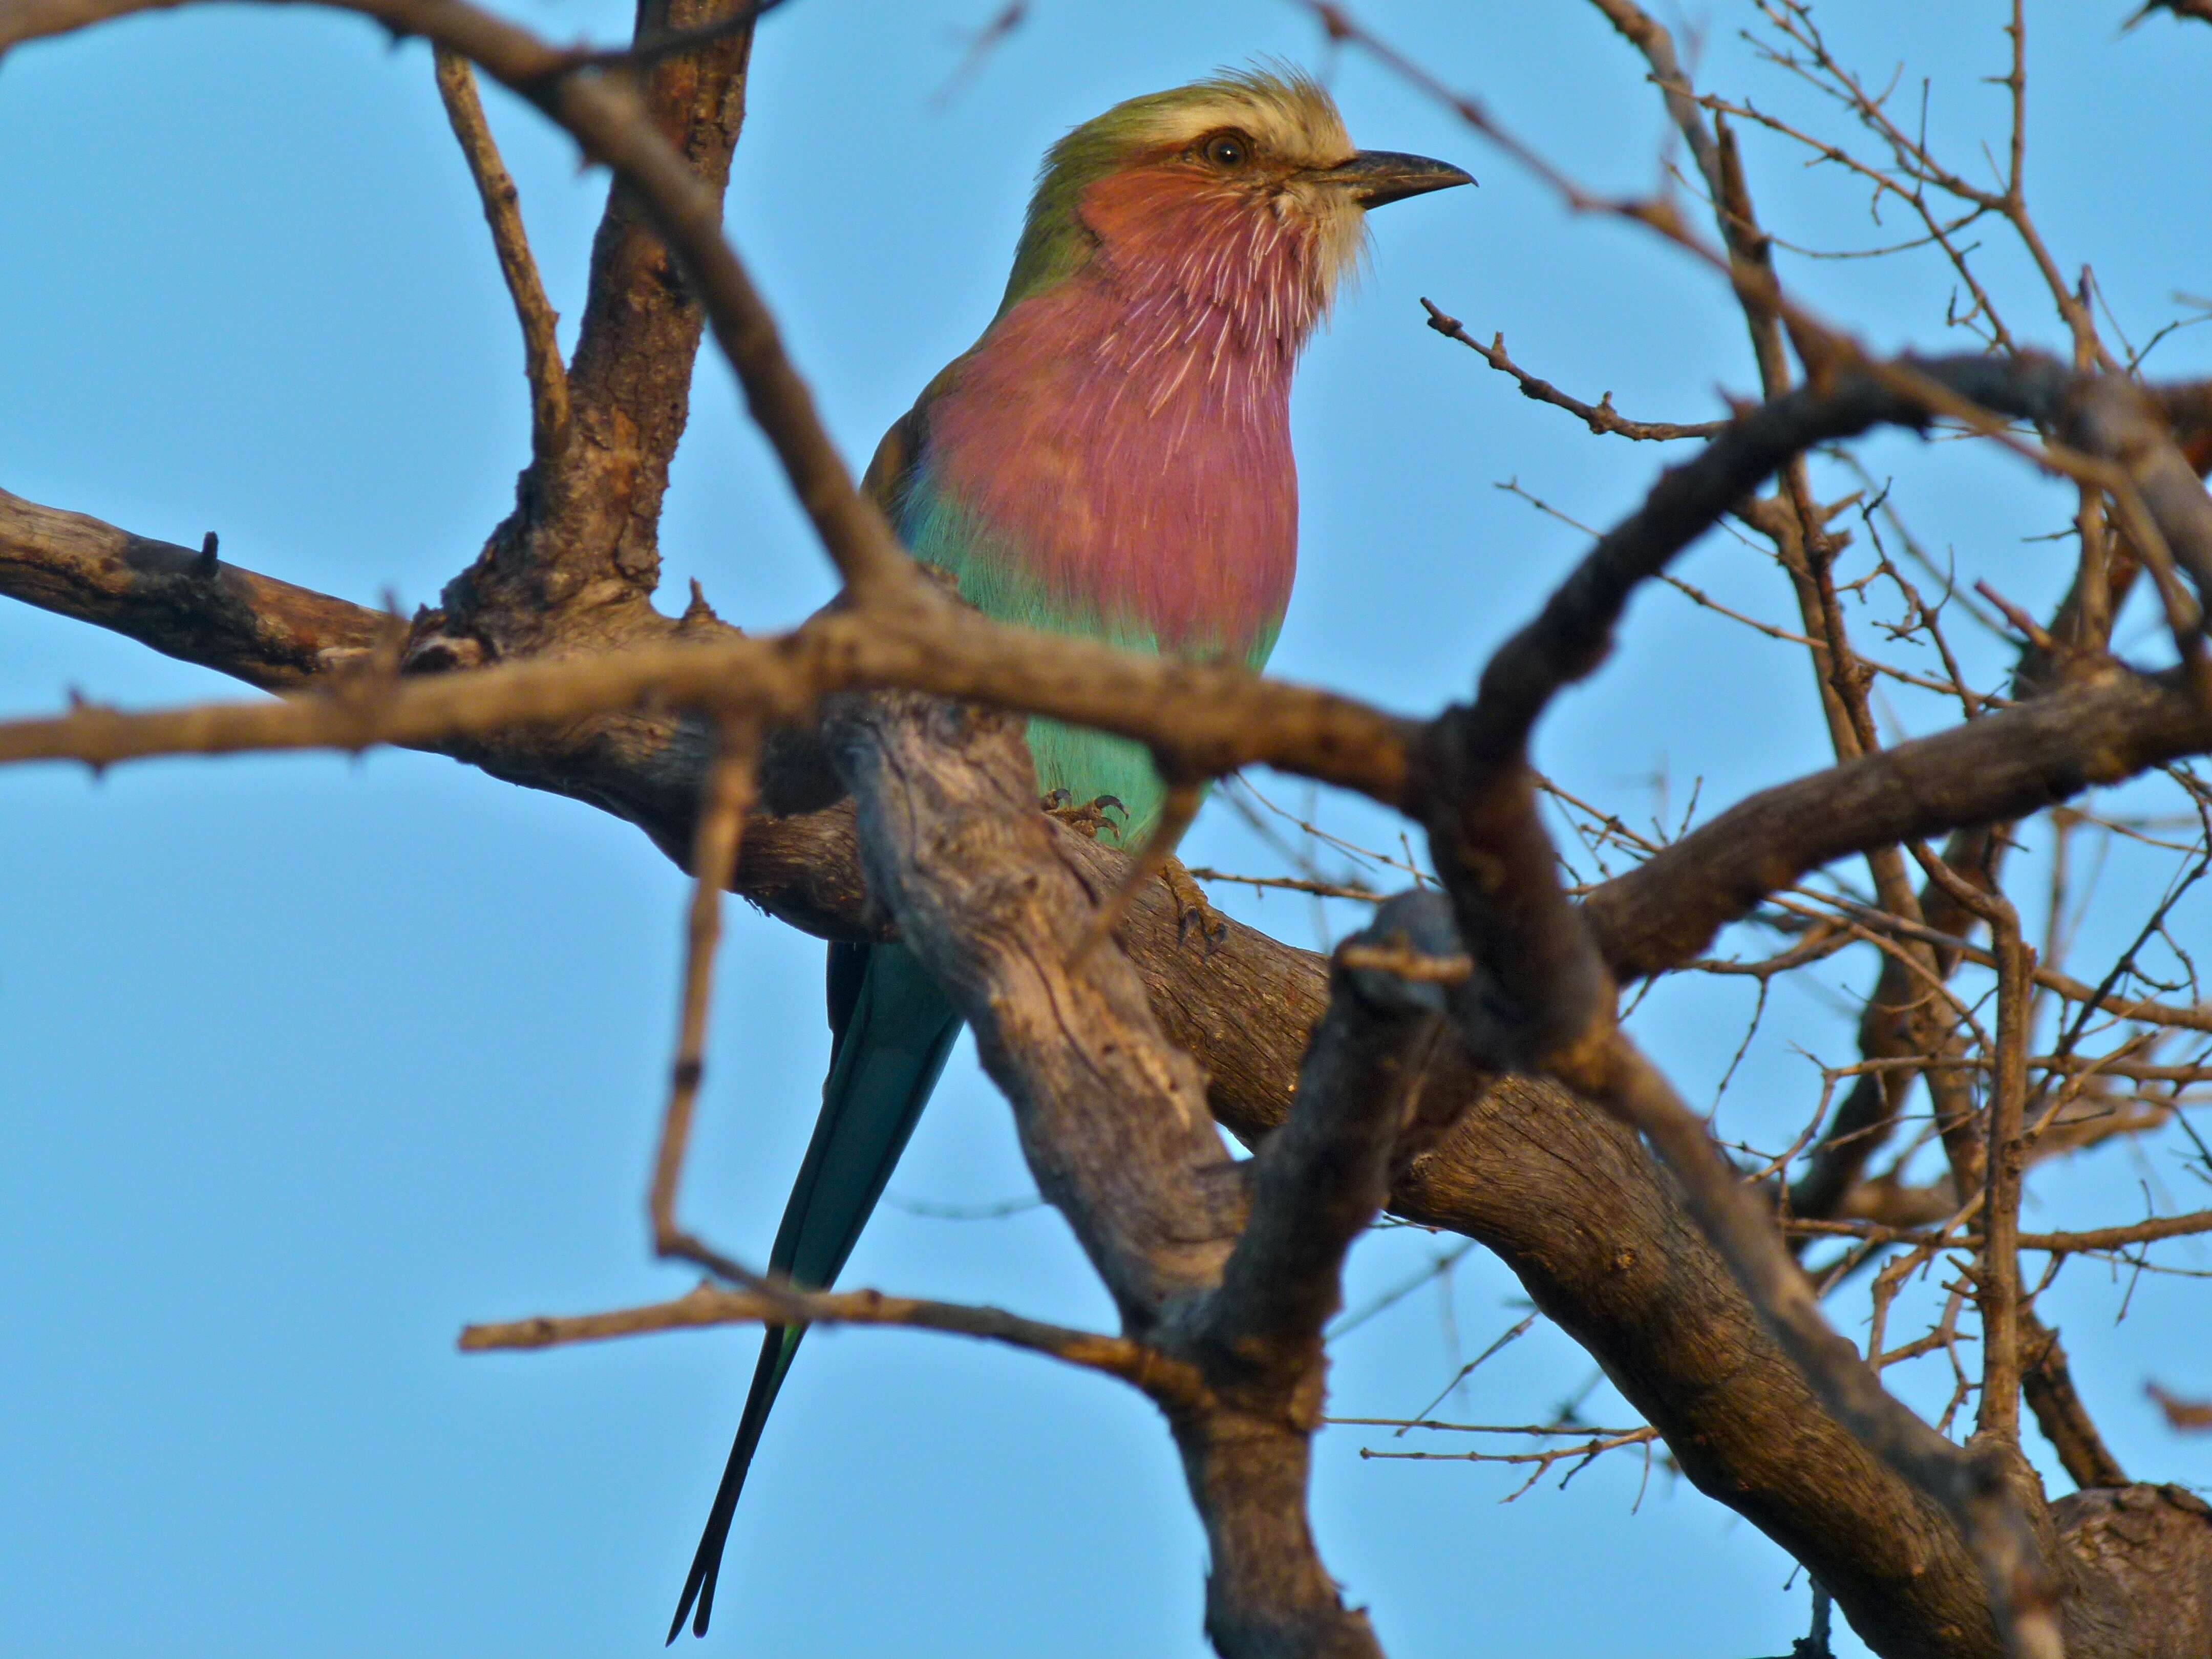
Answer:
(541, 345)
(1165, 1378)
(730, 793)
(2068, 1243)
(1290, 884)
(1601, 417)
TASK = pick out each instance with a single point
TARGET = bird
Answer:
(1110, 461)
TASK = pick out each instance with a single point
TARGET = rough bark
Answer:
(1231, 1267)
(1564, 1197)
(2141, 1562)
(1567, 1197)
(576, 564)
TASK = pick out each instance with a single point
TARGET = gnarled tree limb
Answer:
(1725, 1395)
(1231, 1269)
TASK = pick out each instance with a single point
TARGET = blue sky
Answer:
(305, 1062)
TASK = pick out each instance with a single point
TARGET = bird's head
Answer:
(1242, 188)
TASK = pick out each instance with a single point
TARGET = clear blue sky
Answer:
(306, 1062)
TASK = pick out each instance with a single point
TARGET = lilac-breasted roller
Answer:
(1111, 459)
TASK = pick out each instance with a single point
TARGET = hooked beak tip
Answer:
(1375, 177)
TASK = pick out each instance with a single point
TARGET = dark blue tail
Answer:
(891, 1031)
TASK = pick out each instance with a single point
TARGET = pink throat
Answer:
(1124, 437)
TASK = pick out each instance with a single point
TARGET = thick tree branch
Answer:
(578, 558)
(645, 763)
(256, 628)
(1667, 910)
(1221, 718)
(2048, 1384)
(2142, 1570)
(1112, 1119)
(1319, 1180)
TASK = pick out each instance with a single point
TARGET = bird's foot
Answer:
(1193, 913)
(1087, 819)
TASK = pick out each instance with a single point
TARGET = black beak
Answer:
(1378, 176)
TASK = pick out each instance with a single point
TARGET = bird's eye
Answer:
(1228, 149)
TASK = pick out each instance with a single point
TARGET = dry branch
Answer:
(1110, 1105)
(541, 348)
(710, 1306)
(1112, 1120)
(1320, 1180)
(2068, 1243)
(1601, 417)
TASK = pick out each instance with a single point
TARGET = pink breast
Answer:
(1126, 435)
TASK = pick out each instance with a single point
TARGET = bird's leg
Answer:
(1192, 911)
(1087, 819)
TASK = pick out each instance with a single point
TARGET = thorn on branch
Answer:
(207, 564)
(698, 611)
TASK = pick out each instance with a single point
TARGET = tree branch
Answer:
(579, 557)
(646, 764)
(1665, 911)
(1113, 1123)
(2068, 1243)
(2048, 1384)
(1320, 1180)
(1601, 417)
(709, 1305)
(541, 350)
(256, 628)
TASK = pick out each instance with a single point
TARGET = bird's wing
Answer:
(890, 469)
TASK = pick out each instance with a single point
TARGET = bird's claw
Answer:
(1193, 913)
(1087, 819)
